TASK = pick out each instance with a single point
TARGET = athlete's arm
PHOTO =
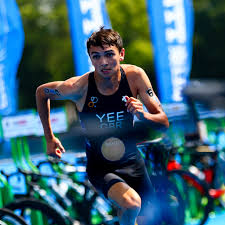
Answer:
(58, 90)
(155, 114)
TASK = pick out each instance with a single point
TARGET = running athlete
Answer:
(107, 100)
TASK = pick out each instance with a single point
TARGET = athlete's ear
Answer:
(122, 54)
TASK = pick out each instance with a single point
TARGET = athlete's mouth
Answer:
(106, 70)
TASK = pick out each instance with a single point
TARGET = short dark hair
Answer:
(105, 37)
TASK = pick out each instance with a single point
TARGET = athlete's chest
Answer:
(107, 111)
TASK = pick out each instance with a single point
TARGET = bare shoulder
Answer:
(137, 78)
(133, 72)
(75, 86)
(76, 82)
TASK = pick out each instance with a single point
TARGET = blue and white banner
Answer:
(11, 48)
(85, 17)
(21, 124)
(27, 123)
(171, 23)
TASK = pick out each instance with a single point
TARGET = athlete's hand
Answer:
(135, 107)
(55, 148)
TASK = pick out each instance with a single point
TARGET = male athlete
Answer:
(107, 100)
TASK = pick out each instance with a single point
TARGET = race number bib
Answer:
(113, 149)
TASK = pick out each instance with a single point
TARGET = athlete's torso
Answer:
(106, 122)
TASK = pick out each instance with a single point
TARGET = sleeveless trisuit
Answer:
(111, 149)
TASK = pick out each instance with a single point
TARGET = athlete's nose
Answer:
(104, 61)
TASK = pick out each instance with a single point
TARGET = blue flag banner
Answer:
(85, 17)
(11, 48)
(171, 23)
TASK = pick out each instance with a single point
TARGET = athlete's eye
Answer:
(96, 57)
(110, 54)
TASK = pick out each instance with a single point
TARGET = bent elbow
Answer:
(38, 90)
(39, 94)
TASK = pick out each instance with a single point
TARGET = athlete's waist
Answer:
(98, 162)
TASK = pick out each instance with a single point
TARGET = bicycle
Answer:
(167, 194)
(37, 206)
(156, 154)
(201, 160)
(200, 155)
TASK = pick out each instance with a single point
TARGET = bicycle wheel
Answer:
(36, 212)
(10, 218)
(195, 193)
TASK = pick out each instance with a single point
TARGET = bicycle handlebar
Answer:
(149, 143)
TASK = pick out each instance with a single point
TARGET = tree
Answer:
(48, 52)
(208, 46)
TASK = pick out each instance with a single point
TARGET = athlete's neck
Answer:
(107, 85)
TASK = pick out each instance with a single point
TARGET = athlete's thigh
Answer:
(115, 188)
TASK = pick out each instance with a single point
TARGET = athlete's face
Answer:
(106, 60)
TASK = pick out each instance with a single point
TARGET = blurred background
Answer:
(48, 52)
(180, 45)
